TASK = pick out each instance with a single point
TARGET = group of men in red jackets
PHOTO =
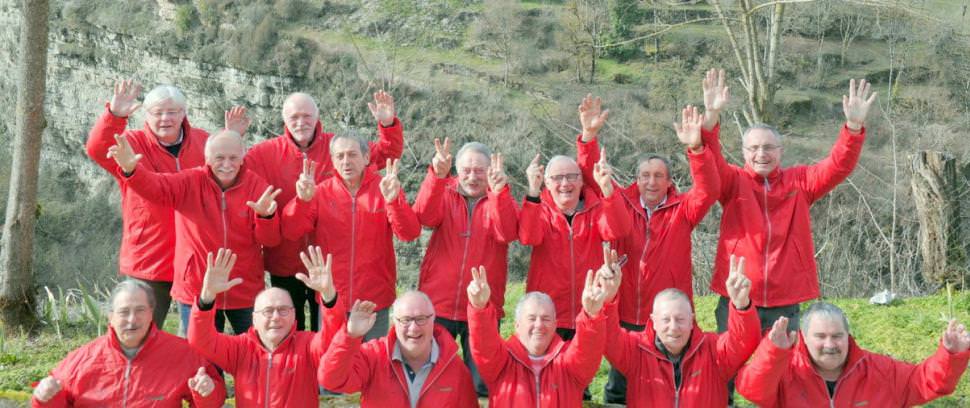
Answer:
(610, 272)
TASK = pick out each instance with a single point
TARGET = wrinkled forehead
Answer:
(410, 306)
(274, 297)
(129, 299)
(562, 165)
(760, 137)
(344, 145)
(224, 145)
(652, 166)
(472, 160)
(538, 307)
(671, 307)
(824, 324)
(299, 103)
(164, 105)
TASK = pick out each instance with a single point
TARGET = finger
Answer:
(852, 93)
(498, 159)
(387, 168)
(733, 264)
(275, 193)
(447, 146)
(234, 282)
(535, 160)
(871, 98)
(605, 115)
(326, 265)
(372, 107)
(208, 260)
(307, 262)
(589, 278)
(740, 269)
(437, 147)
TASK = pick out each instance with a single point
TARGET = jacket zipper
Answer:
(572, 275)
(646, 244)
(464, 257)
(353, 243)
(306, 237)
(764, 285)
(538, 398)
(225, 238)
(269, 374)
(124, 401)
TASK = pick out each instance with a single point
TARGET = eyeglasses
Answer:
(471, 170)
(283, 311)
(159, 113)
(570, 177)
(418, 320)
(768, 148)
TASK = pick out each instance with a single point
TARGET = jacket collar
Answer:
(632, 195)
(520, 353)
(150, 336)
(772, 177)
(186, 133)
(649, 337)
(589, 197)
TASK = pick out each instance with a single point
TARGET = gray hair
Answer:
(162, 93)
(538, 297)
(421, 295)
(351, 135)
(129, 286)
(221, 133)
(558, 158)
(762, 126)
(824, 310)
(653, 156)
(475, 147)
(293, 96)
(673, 294)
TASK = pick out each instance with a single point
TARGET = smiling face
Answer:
(828, 344)
(762, 150)
(130, 317)
(224, 153)
(414, 324)
(165, 120)
(472, 168)
(673, 321)
(273, 316)
(565, 182)
(653, 180)
(300, 115)
(535, 324)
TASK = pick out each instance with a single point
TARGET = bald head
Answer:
(561, 164)
(412, 301)
(224, 140)
(224, 152)
(300, 114)
(272, 296)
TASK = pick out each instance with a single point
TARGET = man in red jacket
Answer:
(280, 162)
(415, 365)
(132, 365)
(169, 145)
(221, 205)
(354, 215)
(474, 219)
(827, 368)
(273, 364)
(663, 220)
(535, 367)
(674, 363)
(566, 228)
(766, 207)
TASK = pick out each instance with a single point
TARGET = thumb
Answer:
(302, 278)
(135, 107)
(200, 372)
(234, 282)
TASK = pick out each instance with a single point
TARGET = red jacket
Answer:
(148, 229)
(369, 369)
(562, 253)
(285, 377)
(461, 241)
(787, 378)
(706, 366)
(95, 375)
(766, 221)
(280, 161)
(207, 219)
(567, 368)
(358, 231)
(658, 247)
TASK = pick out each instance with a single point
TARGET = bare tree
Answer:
(16, 246)
(499, 29)
(587, 24)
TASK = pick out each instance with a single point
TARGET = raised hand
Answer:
(497, 179)
(319, 276)
(382, 108)
(856, 104)
(306, 186)
(603, 174)
(716, 97)
(216, 279)
(592, 117)
(689, 128)
(265, 206)
(237, 120)
(955, 337)
(47, 389)
(124, 101)
(201, 383)
(362, 318)
(593, 295)
(390, 185)
(738, 285)
(123, 154)
(441, 163)
(609, 275)
(478, 290)
(780, 336)
(535, 173)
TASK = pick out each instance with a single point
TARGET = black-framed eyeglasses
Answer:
(267, 312)
(418, 320)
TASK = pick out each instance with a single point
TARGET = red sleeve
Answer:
(167, 189)
(706, 189)
(614, 219)
(66, 373)
(101, 137)
(268, 230)
(736, 345)
(468, 394)
(299, 216)
(429, 204)
(403, 221)
(759, 381)
(333, 320)
(728, 173)
(587, 154)
(222, 350)
(485, 341)
(935, 377)
(502, 216)
(624, 345)
(59, 400)
(532, 223)
(585, 351)
(217, 397)
(823, 176)
(389, 146)
(345, 368)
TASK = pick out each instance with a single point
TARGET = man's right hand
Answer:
(780, 336)
(689, 129)
(716, 97)
(362, 318)
(306, 186)
(610, 274)
(47, 389)
(534, 173)
(592, 117)
(124, 102)
(441, 163)
(216, 278)
(478, 290)
(123, 154)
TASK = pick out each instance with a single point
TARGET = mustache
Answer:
(831, 351)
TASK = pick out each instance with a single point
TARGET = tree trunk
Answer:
(16, 245)
(937, 191)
